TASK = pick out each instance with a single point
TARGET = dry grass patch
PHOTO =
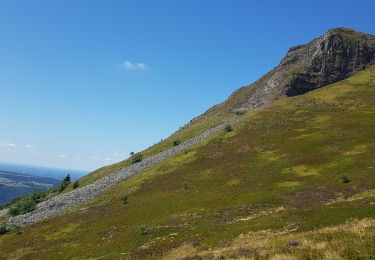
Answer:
(302, 171)
(336, 242)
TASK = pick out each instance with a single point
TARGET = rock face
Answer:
(334, 56)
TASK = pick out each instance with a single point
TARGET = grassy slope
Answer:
(195, 128)
(276, 176)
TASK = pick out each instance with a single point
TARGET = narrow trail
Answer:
(59, 204)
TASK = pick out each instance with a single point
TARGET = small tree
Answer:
(131, 153)
(64, 183)
(67, 178)
(228, 128)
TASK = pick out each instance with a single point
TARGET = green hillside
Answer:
(295, 179)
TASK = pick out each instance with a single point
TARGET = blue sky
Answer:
(83, 83)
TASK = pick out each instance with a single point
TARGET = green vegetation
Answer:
(137, 158)
(176, 142)
(3, 229)
(240, 113)
(64, 184)
(27, 203)
(228, 128)
(294, 71)
(194, 128)
(272, 180)
(75, 185)
(344, 178)
(125, 199)
(143, 230)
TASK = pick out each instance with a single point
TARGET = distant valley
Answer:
(18, 180)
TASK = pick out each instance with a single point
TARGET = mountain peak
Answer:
(334, 56)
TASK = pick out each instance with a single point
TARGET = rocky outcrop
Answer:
(333, 57)
(57, 205)
(336, 55)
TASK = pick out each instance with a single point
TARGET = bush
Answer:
(240, 113)
(16, 228)
(177, 142)
(75, 185)
(228, 128)
(3, 229)
(344, 178)
(137, 158)
(143, 230)
(23, 206)
(125, 199)
(27, 203)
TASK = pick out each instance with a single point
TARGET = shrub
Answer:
(23, 206)
(186, 186)
(137, 158)
(75, 185)
(344, 178)
(3, 229)
(143, 230)
(177, 142)
(131, 153)
(27, 203)
(228, 128)
(125, 199)
(240, 113)
(16, 228)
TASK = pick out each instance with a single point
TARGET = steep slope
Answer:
(329, 58)
(294, 179)
(332, 57)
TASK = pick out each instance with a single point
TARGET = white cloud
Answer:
(128, 65)
(142, 66)
(63, 155)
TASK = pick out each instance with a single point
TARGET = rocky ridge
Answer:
(332, 57)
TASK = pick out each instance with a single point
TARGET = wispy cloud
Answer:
(63, 155)
(16, 147)
(8, 145)
(128, 65)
